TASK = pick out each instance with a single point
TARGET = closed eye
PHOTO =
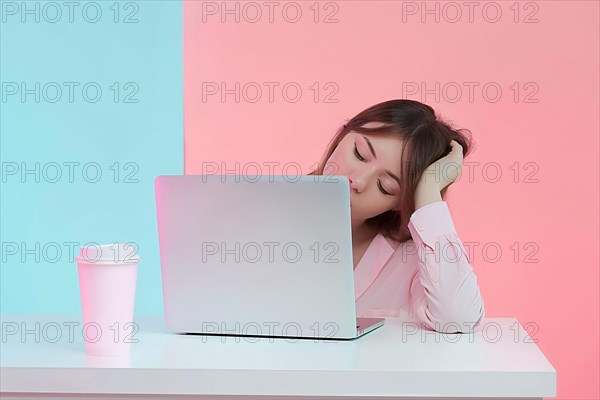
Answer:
(381, 189)
(357, 154)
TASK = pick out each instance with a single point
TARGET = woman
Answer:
(408, 259)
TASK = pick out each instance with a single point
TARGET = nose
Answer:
(357, 183)
(354, 184)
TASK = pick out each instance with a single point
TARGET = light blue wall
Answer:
(138, 139)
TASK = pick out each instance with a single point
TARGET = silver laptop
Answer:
(258, 256)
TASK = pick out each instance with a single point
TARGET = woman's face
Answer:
(368, 166)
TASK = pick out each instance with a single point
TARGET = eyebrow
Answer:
(390, 173)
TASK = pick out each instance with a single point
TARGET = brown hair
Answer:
(426, 139)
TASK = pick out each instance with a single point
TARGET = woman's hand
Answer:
(445, 170)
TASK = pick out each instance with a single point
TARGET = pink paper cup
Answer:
(107, 282)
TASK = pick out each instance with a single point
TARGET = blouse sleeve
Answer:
(445, 295)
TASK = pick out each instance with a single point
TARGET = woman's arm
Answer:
(445, 295)
(426, 194)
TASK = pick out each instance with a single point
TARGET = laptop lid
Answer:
(256, 255)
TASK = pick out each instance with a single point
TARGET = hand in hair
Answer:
(446, 170)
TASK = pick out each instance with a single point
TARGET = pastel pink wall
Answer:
(544, 211)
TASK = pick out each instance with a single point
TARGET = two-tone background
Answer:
(99, 97)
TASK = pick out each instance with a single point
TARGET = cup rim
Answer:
(105, 256)
(129, 261)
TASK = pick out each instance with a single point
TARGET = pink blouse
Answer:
(426, 280)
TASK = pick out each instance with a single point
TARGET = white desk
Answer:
(499, 360)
